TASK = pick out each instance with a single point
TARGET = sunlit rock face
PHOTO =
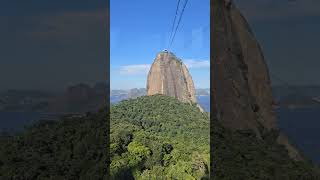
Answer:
(241, 83)
(169, 76)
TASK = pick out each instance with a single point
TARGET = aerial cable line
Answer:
(174, 21)
(172, 28)
(174, 35)
(185, 4)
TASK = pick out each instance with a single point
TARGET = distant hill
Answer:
(311, 90)
(117, 95)
(203, 92)
(70, 148)
(128, 93)
(297, 96)
(78, 98)
(202, 95)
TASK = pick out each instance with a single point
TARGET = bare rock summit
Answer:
(241, 82)
(169, 76)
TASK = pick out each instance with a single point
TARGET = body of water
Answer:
(116, 99)
(204, 102)
(13, 122)
(302, 126)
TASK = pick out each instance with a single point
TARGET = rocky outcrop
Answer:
(169, 76)
(241, 83)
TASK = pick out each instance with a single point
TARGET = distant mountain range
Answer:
(142, 91)
(79, 98)
(136, 92)
(297, 96)
(290, 97)
(82, 98)
(202, 95)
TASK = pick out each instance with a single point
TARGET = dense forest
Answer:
(159, 137)
(240, 155)
(151, 138)
(155, 137)
(71, 148)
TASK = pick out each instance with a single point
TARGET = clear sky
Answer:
(140, 29)
(52, 44)
(288, 31)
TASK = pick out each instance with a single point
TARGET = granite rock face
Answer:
(241, 83)
(169, 76)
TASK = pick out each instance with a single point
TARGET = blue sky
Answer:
(140, 29)
(288, 32)
(50, 45)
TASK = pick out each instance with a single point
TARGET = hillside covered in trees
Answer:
(241, 155)
(159, 137)
(152, 137)
(70, 148)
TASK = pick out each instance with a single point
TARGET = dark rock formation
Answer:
(169, 76)
(241, 83)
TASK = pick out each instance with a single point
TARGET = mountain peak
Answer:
(169, 76)
(242, 86)
(167, 55)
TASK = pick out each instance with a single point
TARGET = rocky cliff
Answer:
(241, 84)
(169, 76)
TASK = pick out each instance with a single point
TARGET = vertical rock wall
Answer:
(241, 82)
(169, 76)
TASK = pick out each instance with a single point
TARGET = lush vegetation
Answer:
(71, 148)
(240, 155)
(158, 137)
(155, 137)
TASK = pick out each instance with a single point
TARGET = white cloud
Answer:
(190, 63)
(135, 69)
